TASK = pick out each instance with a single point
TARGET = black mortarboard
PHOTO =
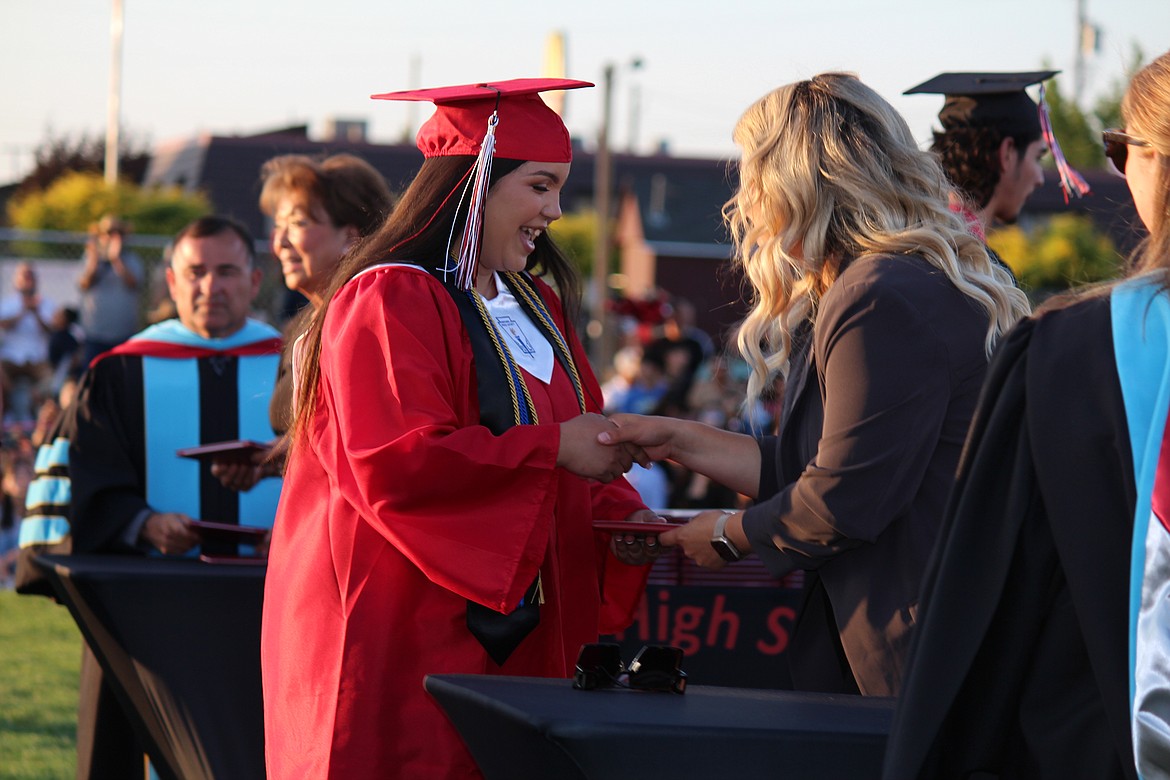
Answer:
(987, 99)
(1000, 100)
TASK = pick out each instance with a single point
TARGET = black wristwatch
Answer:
(722, 545)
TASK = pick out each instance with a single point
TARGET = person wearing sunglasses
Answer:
(1043, 644)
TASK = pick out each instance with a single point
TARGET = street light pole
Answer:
(601, 189)
(114, 100)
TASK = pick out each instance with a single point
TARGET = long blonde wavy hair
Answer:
(829, 173)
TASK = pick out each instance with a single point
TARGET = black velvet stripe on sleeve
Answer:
(218, 421)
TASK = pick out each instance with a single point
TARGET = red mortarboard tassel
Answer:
(1071, 182)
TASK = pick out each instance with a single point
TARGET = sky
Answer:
(244, 66)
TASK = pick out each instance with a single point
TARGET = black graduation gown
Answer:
(107, 458)
(1019, 668)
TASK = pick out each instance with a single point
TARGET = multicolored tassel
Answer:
(466, 265)
(1071, 182)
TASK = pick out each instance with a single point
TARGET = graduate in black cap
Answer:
(993, 141)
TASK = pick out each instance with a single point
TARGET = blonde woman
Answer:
(1043, 649)
(882, 310)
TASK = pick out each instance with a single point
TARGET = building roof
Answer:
(681, 198)
(227, 168)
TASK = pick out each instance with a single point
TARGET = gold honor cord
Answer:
(511, 370)
(521, 285)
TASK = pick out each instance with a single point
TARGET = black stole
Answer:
(503, 403)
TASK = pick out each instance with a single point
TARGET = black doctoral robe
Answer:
(1019, 668)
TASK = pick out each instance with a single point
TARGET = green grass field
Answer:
(40, 655)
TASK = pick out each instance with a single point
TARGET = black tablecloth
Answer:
(525, 727)
(180, 641)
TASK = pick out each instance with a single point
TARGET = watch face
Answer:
(725, 550)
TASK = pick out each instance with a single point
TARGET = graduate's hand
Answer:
(652, 437)
(169, 532)
(637, 549)
(240, 475)
(261, 548)
(582, 453)
(695, 540)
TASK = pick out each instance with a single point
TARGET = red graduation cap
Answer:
(527, 128)
(494, 119)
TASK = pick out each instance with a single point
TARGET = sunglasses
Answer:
(654, 668)
(1117, 143)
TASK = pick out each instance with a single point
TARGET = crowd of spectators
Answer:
(43, 351)
(667, 365)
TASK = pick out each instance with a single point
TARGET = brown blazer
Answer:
(876, 410)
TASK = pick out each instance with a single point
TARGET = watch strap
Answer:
(724, 546)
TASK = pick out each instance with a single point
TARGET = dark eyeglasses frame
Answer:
(1117, 143)
(654, 668)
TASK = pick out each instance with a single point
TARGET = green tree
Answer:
(59, 155)
(1078, 132)
(575, 234)
(1064, 251)
(75, 200)
(1108, 108)
(1079, 139)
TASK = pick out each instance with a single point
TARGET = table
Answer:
(528, 727)
(180, 641)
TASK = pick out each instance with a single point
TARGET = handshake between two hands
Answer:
(603, 448)
(624, 439)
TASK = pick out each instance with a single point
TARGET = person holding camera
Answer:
(109, 283)
(24, 351)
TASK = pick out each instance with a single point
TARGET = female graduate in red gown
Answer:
(444, 476)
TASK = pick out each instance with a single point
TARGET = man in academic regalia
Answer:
(206, 377)
(993, 140)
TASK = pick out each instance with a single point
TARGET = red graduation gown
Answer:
(397, 508)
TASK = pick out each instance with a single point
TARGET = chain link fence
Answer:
(56, 255)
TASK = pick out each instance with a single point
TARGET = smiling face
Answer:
(307, 244)
(213, 283)
(520, 206)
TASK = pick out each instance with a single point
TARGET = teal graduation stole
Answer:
(1140, 313)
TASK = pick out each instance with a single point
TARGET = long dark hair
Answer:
(970, 158)
(418, 232)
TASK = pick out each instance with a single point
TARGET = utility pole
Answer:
(1079, 62)
(114, 99)
(1088, 44)
(413, 79)
(601, 188)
